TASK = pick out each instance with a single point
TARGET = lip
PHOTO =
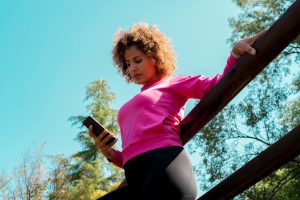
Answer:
(137, 76)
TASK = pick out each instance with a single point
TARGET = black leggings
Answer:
(164, 173)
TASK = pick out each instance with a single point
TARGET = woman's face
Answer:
(141, 68)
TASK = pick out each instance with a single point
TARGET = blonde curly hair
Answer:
(151, 42)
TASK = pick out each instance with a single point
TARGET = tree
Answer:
(258, 15)
(292, 111)
(63, 185)
(87, 173)
(58, 187)
(283, 184)
(4, 183)
(100, 97)
(244, 128)
(29, 180)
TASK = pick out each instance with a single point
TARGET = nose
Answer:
(132, 68)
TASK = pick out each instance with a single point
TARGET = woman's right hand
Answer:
(245, 45)
(105, 149)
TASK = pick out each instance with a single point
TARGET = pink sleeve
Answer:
(231, 61)
(197, 87)
(118, 161)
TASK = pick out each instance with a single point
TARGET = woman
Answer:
(155, 162)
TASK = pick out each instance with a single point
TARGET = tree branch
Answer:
(244, 136)
(282, 182)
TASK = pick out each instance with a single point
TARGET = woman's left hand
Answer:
(245, 45)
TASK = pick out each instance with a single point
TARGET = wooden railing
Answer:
(277, 37)
(268, 161)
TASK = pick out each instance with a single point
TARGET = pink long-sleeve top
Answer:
(151, 119)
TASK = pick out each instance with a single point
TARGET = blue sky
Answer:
(51, 50)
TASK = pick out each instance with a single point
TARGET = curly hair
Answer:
(151, 42)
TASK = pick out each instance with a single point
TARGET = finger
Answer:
(99, 143)
(107, 139)
(257, 36)
(102, 139)
(251, 51)
(91, 133)
(103, 134)
(108, 146)
(261, 33)
(113, 143)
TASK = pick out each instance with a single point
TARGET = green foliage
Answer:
(88, 183)
(245, 128)
(291, 117)
(282, 185)
(292, 114)
(258, 15)
(87, 174)
(100, 98)
(84, 175)
(59, 177)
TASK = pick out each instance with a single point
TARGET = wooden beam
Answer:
(268, 161)
(277, 37)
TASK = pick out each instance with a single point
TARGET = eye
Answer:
(137, 61)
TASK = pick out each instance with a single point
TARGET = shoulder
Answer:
(184, 79)
(179, 78)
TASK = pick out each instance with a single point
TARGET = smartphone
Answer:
(97, 128)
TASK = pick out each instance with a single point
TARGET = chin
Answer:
(138, 82)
